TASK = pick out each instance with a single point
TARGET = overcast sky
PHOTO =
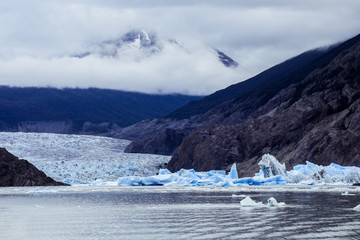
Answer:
(39, 38)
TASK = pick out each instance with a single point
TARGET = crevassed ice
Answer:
(80, 159)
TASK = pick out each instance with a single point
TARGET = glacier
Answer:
(80, 159)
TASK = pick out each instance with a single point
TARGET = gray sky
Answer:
(38, 38)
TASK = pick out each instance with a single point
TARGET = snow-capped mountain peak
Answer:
(139, 44)
(140, 39)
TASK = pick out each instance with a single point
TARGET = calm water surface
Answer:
(175, 213)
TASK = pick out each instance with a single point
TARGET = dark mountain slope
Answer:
(18, 172)
(273, 79)
(77, 106)
(316, 119)
(234, 104)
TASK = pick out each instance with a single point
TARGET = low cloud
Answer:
(172, 70)
(37, 40)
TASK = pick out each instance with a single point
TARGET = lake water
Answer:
(177, 213)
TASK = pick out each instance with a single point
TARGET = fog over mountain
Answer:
(39, 41)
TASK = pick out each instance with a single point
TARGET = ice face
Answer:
(270, 166)
(233, 172)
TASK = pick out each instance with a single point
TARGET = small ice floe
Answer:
(347, 194)
(248, 202)
(238, 196)
(271, 202)
(357, 208)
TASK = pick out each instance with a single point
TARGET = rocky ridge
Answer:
(19, 172)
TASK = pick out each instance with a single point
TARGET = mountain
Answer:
(80, 110)
(315, 119)
(222, 107)
(139, 44)
(305, 109)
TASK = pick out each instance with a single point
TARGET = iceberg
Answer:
(182, 178)
(272, 202)
(233, 172)
(316, 174)
(271, 172)
(346, 193)
(270, 167)
(190, 177)
(357, 208)
(248, 202)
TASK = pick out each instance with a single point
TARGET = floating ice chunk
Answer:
(346, 193)
(248, 202)
(233, 172)
(129, 181)
(271, 173)
(158, 180)
(323, 174)
(357, 208)
(272, 202)
(270, 166)
(238, 196)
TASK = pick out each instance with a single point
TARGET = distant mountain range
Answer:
(304, 109)
(80, 110)
(139, 44)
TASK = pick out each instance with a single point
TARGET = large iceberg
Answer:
(270, 167)
(193, 178)
(272, 172)
(182, 177)
(324, 174)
